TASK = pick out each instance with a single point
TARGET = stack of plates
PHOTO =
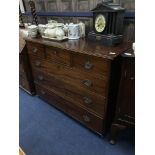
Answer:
(32, 31)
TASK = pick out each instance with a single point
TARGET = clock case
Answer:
(113, 32)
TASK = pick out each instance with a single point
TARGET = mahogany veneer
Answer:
(77, 77)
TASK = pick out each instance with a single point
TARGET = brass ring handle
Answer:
(86, 118)
(35, 50)
(40, 77)
(37, 63)
(87, 100)
(87, 83)
(43, 92)
(88, 65)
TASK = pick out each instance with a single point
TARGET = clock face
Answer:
(100, 23)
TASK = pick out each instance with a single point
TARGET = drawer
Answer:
(57, 55)
(73, 77)
(91, 64)
(36, 50)
(91, 101)
(90, 120)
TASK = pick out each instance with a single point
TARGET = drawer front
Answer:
(73, 77)
(36, 50)
(57, 55)
(90, 101)
(91, 64)
(93, 122)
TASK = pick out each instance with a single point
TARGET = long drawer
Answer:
(83, 80)
(90, 101)
(90, 120)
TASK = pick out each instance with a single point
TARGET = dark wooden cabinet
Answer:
(125, 108)
(77, 77)
(25, 73)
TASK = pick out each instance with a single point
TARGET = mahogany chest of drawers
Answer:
(25, 74)
(76, 76)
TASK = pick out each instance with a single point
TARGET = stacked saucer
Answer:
(32, 31)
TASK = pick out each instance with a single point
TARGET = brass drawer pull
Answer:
(34, 50)
(88, 65)
(86, 118)
(43, 92)
(87, 100)
(40, 77)
(87, 83)
(37, 63)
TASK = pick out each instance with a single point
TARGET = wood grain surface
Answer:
(79, 77)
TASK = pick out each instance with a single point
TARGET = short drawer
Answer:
(84, 80)
(36, 49)
(57, 55)
(91, 64)
(90, 101)
(90, 120)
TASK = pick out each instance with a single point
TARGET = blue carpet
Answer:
(45, 130)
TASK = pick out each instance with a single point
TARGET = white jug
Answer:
(73, 31)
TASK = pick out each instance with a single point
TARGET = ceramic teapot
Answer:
(50, 32)
(59, 32)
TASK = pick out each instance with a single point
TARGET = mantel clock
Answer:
(107, 23)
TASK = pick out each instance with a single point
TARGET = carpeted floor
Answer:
(45, 130)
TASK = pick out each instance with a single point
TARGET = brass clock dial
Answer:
(100, 23)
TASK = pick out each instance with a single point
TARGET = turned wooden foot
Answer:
(115, 129)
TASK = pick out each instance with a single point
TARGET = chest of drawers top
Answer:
(85, 46)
